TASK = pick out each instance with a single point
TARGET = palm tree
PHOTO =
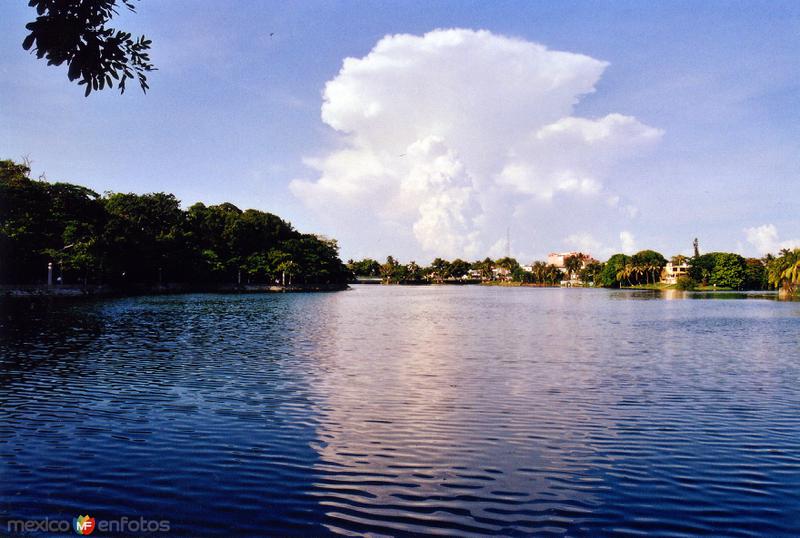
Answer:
(679, 259)
(573, 264)
(539, 272)
(288, 268)
(486, 267)
(637, 272)
(784, 271)
(388, 269)
(625, 273)
(553, 274)
(653, 267)
(413, 271)
(641, 269)
(657, 268)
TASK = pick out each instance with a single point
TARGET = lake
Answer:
(448, 410)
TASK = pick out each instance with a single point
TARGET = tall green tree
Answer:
(43, 223)
(728, 271)
(440, 269)
(390, 270)
(783, 271)
(573, 264)
(701, 267)
(459, 268)
(609, 275)
(591, 272)
(648, 263)
(755, 274)
(142, 237)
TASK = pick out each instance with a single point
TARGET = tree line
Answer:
(457, 270)
(645, 268)
(125, 239)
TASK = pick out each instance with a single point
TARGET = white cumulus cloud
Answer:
(765, 239)
(450, 137)
(627, 242)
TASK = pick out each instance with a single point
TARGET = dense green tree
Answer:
(701, 267)
(538, 272)
(728, 271)
(648, 256)
(413, 272)
(127, 239)
(518, 274)
(591, 272)
(44, 222)
(755, 274)
(608, 276)
(142, 237)
(316, 259)
(648, 264)
(366, 267)
(459, 268)
(507, 263)
(553, 274)
(440, 269)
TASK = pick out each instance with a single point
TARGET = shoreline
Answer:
(40, 291)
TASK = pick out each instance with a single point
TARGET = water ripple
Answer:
(463, 411)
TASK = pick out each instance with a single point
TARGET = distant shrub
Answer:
(686, 283)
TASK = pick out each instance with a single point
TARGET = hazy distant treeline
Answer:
(645, 268)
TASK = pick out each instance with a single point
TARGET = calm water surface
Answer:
(395, 410)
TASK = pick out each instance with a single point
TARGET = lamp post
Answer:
(49, 274)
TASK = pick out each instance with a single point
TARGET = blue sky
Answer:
(234, 114)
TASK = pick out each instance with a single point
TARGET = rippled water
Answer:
(398, 410)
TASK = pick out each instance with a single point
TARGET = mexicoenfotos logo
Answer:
(83, 524)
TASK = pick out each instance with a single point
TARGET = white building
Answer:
(672, 272)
